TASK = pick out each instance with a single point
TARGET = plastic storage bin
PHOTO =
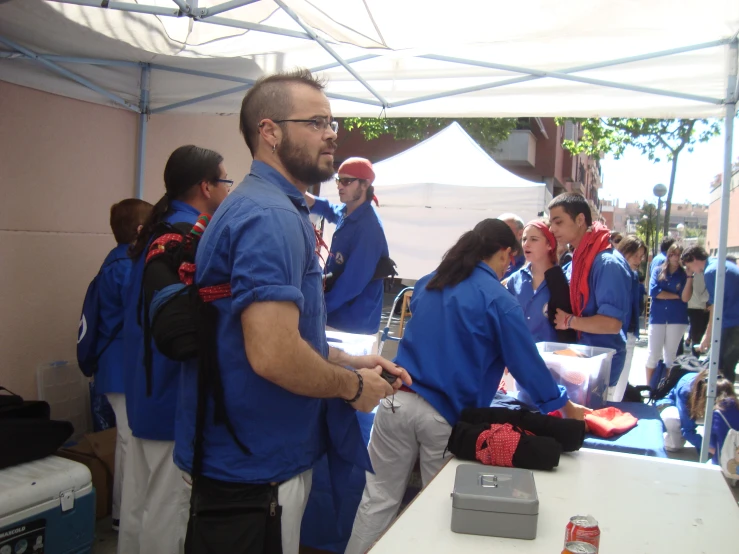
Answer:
(46, 507)
(67, 391)
(585, 379)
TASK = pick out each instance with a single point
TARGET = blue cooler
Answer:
(46, 507)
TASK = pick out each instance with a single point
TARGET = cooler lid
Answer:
(506, 490)
(26, 485)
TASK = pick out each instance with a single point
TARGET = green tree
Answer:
(487, 132)
(653, 137)
(646, 227)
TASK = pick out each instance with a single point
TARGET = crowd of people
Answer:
(216, 453)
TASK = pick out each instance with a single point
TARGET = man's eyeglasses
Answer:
(319, 123)
(346, 181)
(228, 182)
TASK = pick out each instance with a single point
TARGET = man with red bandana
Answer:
(354, 288)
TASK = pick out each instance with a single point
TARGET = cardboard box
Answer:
(97, 452)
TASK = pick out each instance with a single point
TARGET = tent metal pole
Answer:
(575, 78)
(337, 64)
(71, 59)
(222, 77)
(184, 7)
(65, 72)
(226, 6)
(203, 98)
(235, 23)
(125, 6)
(142, 131)
(331, 51)
(718, 306)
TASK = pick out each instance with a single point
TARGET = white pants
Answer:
(118, 403)
(156, 501)
(673, 435)
(664, 339)
(293, 497)
(397, 438)
(616, 394)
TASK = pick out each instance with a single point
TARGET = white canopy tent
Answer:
(433, 192)
(475, 58)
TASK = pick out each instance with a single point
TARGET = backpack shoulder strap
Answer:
(725, 420)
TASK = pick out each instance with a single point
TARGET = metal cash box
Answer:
(494, 501)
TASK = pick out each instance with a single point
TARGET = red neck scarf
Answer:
(596, 239)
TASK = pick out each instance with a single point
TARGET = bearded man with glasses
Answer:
(284, 394)
(358, 260)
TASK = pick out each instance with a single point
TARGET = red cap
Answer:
(360, 168)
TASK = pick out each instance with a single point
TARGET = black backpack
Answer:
(26, 432)
(180, 319)
(680, 367)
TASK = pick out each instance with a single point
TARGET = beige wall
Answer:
(63, 163)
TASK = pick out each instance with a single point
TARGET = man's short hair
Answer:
(573, 204)
(271, 98)
(512, 217)
(125, 218)
(693, 253)
(664, 246)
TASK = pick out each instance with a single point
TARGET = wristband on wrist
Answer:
(359, 390)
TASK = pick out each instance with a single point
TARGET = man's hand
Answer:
(560, 319)
(375, 388)
(373, 360)
(575, 411)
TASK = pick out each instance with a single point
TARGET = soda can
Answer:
(579, 547)
(583, 529)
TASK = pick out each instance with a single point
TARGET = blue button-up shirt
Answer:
(150, 417)
(262, 242)
(114, 277)
(354, 303)
(731, 291)
(535, 304)
(461, 338)
(610, 295)
(668, 311)
(518, 263)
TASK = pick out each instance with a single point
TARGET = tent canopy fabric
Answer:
(555, 60)
(433, 192)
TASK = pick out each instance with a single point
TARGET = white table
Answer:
(643, 505)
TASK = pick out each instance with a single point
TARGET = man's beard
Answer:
(299, 164)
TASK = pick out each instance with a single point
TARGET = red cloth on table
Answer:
(610, 421)
(496, 446)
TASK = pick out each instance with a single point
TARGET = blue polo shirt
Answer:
(461, 338)
(668, 311)
(518, 263)
(114, 276)
(658, 260)
(610, 295)
(680, 398)
(262, 242)
(150, 417)
(535, 304)
(731, 291)
(354, 304)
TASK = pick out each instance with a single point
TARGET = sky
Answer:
(633, 176)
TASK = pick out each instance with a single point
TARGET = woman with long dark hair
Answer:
(195, 182)
(466, 328)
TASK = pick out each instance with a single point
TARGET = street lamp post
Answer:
(659, 191)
